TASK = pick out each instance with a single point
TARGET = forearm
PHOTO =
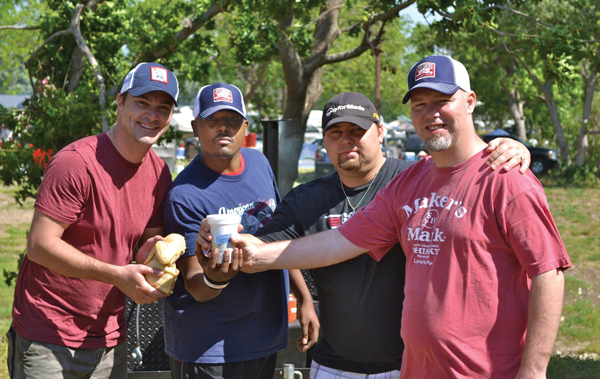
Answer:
(193, 278)
(317, 250)
(544, 311)
(299, 287)
(61, 257)
(198, 289)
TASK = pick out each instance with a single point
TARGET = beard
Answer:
(438, 143)
(351, 164)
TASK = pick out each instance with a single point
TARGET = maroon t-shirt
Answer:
(108, 203)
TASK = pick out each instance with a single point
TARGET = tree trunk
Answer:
(590, 86)
(515, 104)
(303, 90)
(377, 56)
(560, 135)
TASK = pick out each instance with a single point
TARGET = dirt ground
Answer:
(11, 213)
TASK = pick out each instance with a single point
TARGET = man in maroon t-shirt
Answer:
(484, 274)
(100, 199)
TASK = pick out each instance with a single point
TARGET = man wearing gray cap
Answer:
(360, 299)
(99, 201)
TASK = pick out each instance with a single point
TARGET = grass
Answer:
(575, 211)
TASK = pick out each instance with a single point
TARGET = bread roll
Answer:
(163, 257)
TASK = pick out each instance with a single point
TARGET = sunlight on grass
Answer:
(580, 323)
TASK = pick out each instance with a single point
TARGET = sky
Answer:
(413, 13)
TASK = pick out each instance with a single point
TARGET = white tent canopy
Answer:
(182, 118)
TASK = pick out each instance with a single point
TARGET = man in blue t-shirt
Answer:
(223, 324)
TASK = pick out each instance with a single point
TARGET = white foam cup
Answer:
(222, 227)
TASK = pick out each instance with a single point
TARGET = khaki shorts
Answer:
(36, 360)
(318, 371)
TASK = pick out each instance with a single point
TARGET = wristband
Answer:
(214, 285)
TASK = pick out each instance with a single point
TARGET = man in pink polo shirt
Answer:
(484, 275)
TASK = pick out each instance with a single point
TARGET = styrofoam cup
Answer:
(222, 227)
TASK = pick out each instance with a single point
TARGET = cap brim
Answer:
(360, 121)
(139, 91)
(218, 108)
(445, 88)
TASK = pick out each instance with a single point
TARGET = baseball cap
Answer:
(351, 107)
(439, 73)
(217, 97)
(151, 76)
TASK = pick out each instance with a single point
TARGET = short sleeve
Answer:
(532, 233)
(65, 187)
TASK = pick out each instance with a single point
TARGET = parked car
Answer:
(542, 159)
(413, 144)
(323, 165)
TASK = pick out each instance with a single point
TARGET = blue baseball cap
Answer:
(439, 73)
(151, 76)
(217, 97)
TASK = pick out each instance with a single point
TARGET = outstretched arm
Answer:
(509, 152)
(46, 247)
(317, 250)
(544, 310)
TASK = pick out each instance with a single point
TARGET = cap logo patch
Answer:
(342, 107)
(375, 116)
(159, 74)
(425, 70)
(222, 94)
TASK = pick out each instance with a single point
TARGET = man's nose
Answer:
(152, 114)
(432, 110)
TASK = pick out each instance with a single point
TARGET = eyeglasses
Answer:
(230, 122)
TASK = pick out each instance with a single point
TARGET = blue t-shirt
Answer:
(248, 320)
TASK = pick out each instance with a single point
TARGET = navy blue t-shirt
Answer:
(248, 320)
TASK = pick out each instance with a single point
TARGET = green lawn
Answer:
(575, 210)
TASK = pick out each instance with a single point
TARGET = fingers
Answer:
(213, 256)
(525, 162)
(237, 259)
(147, 270)
(150, 297)
(144, 251)
(303, 341)
(504, 156)
(508, 153)
(203, 239)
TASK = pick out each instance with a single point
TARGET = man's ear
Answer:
(120, 102)
(471, 102)
(246, 126)
(380, 132)
(195, 127)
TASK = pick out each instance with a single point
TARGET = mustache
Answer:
(222, 135)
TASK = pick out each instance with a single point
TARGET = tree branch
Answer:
(76, 32)
(317, 61)
(504, 34)
(183, 34)
(349, 28)
(19, 27)
(536, 20)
